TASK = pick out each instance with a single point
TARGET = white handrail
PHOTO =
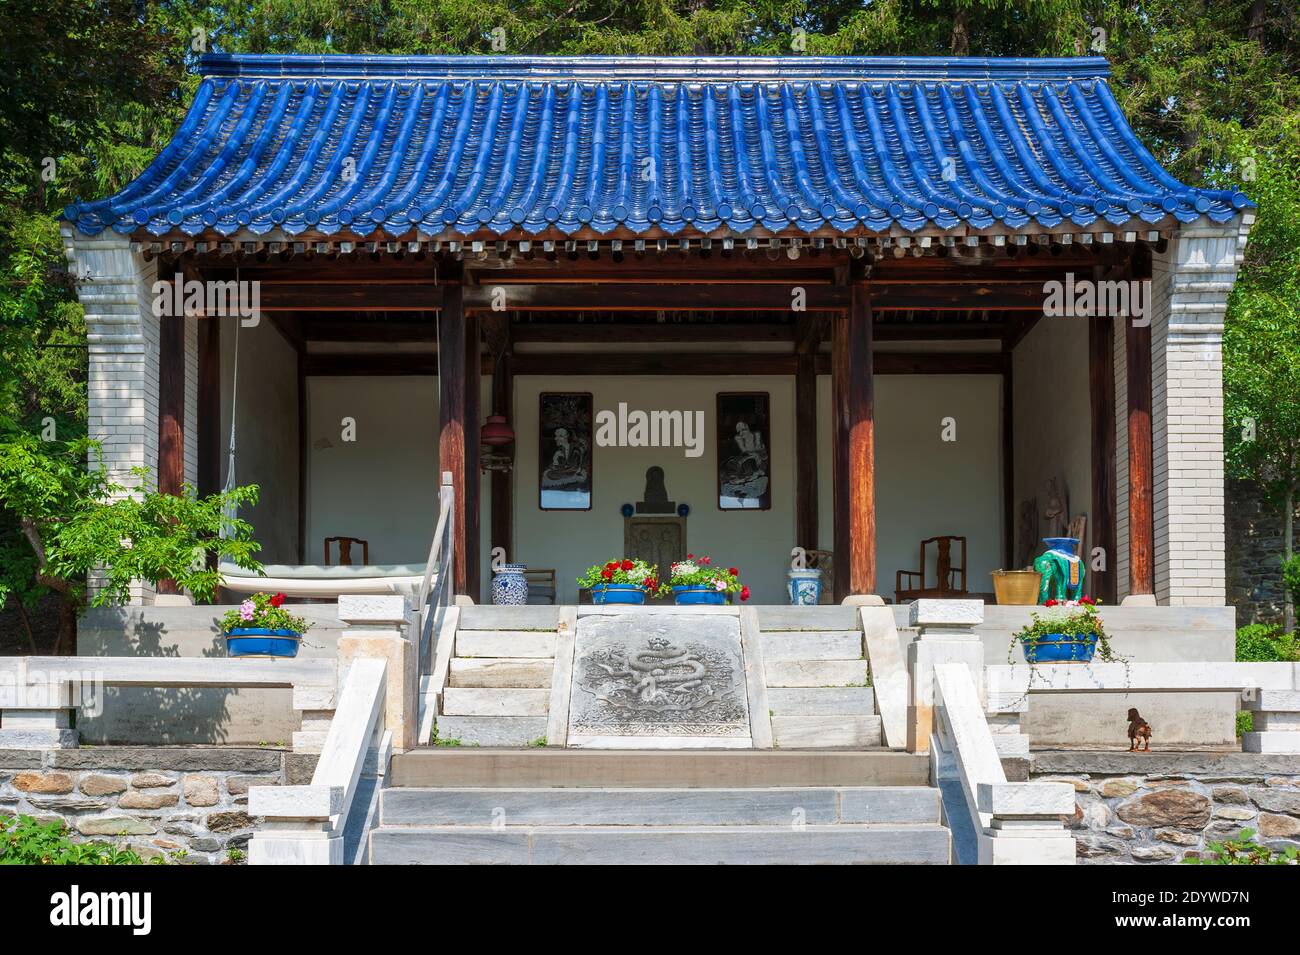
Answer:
(357, 726)
(305, 824)
(442, 559)
(1014, 823)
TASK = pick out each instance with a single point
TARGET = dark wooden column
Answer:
(810, 332)
(1009, 556)
(209, 411)
(1141, 515)
(458, 382)
(496, 332)
(1101, 385)
(171, 414)
(854, 446)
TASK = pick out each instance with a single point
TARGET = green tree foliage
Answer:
(71, 521)
(92, 90)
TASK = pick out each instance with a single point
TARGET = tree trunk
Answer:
(1288, 530)
(960, 34)
(1257, 21)
(66, 644)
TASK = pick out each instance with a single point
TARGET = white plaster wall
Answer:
(266, 440)
(758, 542)
(925, 486)
(1053, 418)
(382, 487)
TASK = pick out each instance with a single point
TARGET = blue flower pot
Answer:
(260, 642)
(1061, 648)
(618, 594)
(510, 586)
(697, 594)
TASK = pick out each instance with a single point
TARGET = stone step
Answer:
(687, 845)
(812, 645)
(516, 672)
(816, 672)
(893, 805)
(822, 701)
(505, 643)
(812, 732)
(491, 730)
(640, 769)
(527, 617)
(465, 701)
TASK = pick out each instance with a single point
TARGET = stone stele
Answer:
(676, 678)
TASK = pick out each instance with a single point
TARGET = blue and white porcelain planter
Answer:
(804, 587)
(618, 594)
(510, 586)
(698, 594)
(260, 642)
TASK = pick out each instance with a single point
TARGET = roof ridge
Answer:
(665, 68)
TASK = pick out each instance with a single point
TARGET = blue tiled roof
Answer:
(455, 146)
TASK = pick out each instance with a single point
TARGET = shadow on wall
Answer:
(155, 715)
(141, 716)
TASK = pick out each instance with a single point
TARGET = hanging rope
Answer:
(230, 511)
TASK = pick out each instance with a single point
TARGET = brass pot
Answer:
(1017, 587)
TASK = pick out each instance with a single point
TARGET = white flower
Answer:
(684, 568)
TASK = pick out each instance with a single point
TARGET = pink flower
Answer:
(719, 585)
(246, 610)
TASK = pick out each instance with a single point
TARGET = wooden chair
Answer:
(541, 585)
(345, 550)
(824, 561)
(950, 577)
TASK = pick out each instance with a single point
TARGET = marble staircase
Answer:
(540, 806)
(498, 686)
(817, 689)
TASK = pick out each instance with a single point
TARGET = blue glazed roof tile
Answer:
(455, 146)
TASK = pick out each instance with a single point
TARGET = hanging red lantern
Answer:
(496, 431)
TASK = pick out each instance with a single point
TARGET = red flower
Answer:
(651, 584)
(607, 573)
(706, 560)
(277, 600)
(735, 572)
(1050, 603)
(628, 565)
(1088, 600)
(612, 565)
(744, 592)
(690, 556)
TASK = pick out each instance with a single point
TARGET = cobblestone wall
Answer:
(1166, 807)
(158, 801)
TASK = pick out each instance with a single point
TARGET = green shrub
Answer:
(24, 841)
(1245, 721)
(1244, 850)
(1265, 643)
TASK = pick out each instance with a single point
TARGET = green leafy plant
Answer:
(265, 612)
(1263, 643)
(1071, 619)
(702, 572)
(1266, 643)
(622, 570)
(24, 841)
(72, 522)
(1244, 850)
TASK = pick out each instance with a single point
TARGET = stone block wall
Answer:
(1133, 808)
(157, 801)
(1255, 549)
